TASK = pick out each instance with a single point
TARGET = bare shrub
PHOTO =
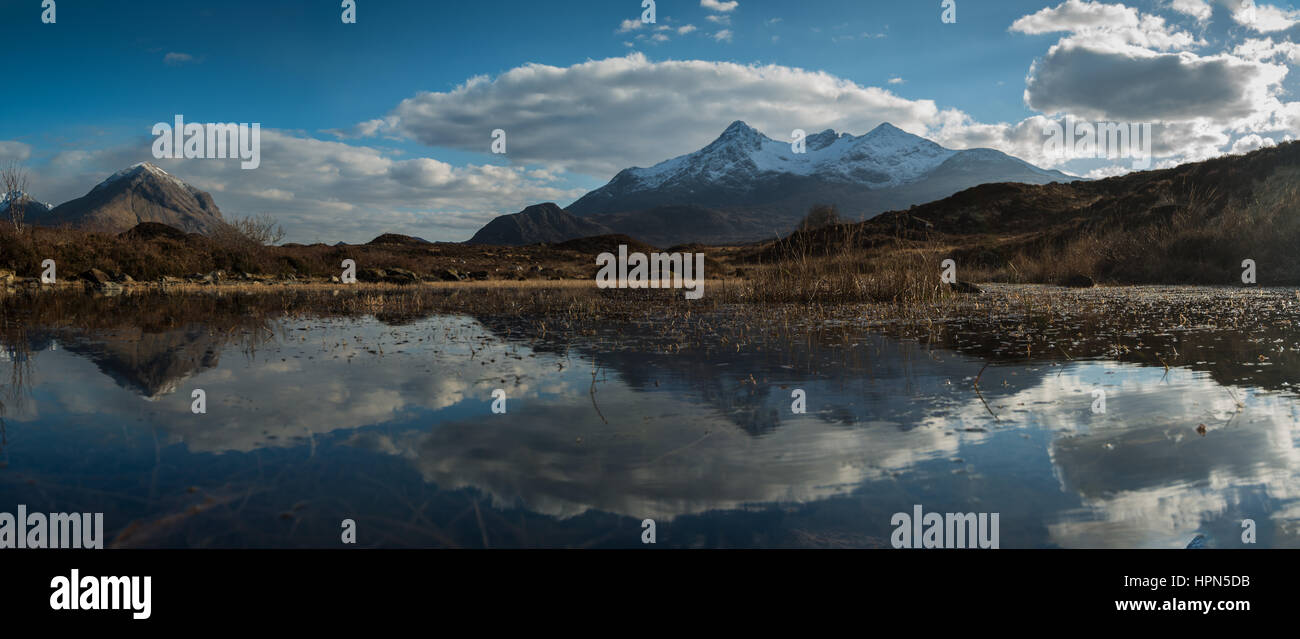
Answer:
(13, 181)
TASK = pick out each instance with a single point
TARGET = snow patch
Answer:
(142, 168)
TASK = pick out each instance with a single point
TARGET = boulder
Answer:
(400, 276)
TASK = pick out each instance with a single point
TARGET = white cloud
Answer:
(1111, 25)
(685, 29)
(895, 80)
(600, 116)
(1144, 86)
(1114, 63)
(1250, 143)
(723, 35)
(1187, 141)
(1199, 9)
(716, 5)
(629, 25)
(1076, 16)
(12, 150)
(1264, 18)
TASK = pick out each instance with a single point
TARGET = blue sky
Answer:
(384, 125)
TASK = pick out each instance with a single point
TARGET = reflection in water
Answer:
(310, 421)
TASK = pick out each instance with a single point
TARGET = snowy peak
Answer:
(739, 135)
(885, 129)
(887, 156)
(145, 170)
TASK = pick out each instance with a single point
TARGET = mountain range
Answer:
(745, 186)
(742, 187)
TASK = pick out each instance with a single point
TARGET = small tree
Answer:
(820, 215)
(13, 179)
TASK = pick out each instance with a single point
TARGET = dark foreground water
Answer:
(316, 421)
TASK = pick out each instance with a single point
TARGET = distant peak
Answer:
(140, 168)
(545, 209)
(13, 196)
(738, 133)
(886, 128)
(738, 130)
(737, 126)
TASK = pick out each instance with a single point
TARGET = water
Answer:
(311, 421)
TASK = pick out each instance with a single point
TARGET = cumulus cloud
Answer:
(1114, 63)
(723, 35)
(1264, 18)
(1199, 9)
(1077, 15)
(716, 5)
(1110, 25)
(1188, 141)
(1134, 84)
(1251, 142)
(600, 116)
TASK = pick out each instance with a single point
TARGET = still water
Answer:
(313, 421)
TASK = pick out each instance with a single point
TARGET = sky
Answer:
(386, 124)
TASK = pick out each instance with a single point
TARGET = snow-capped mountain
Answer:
(139, 193)
(31, 209)
(756, 187)
(885, 157)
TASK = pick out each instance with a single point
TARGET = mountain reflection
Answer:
(689, 437)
